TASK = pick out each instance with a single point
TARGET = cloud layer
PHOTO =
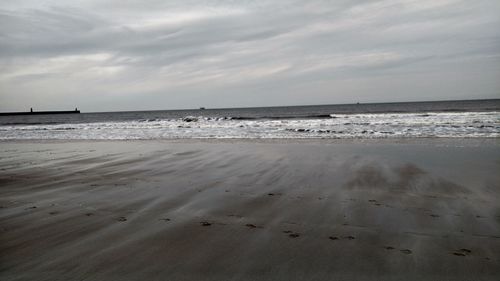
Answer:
(128, 55)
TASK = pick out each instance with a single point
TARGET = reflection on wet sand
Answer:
(249, 210)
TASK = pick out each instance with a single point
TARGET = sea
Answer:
(438, 119)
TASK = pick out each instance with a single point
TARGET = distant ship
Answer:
(31, 112)
(202, 108)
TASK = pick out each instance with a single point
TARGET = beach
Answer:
(372, 209)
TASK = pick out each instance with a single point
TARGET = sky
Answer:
(117, 55)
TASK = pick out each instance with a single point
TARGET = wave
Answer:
(366, 125)
(29, 123)
(312, 116)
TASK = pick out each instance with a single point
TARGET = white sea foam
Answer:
(380, 125)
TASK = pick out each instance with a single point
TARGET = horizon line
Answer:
(297, 105)
(273, 106)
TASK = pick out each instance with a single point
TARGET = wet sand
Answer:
(250, 210)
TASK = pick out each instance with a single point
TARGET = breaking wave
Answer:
(368, 125)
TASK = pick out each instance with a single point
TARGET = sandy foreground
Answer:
(247, 210)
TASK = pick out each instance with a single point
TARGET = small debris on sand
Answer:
(462, 252)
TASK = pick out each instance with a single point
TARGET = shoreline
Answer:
(412, 140)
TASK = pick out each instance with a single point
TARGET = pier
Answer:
(31, 112)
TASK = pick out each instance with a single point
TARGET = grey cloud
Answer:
(135, 49)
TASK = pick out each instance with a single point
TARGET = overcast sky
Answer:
(137, 55)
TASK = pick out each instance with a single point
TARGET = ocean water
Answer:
(444, 119)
